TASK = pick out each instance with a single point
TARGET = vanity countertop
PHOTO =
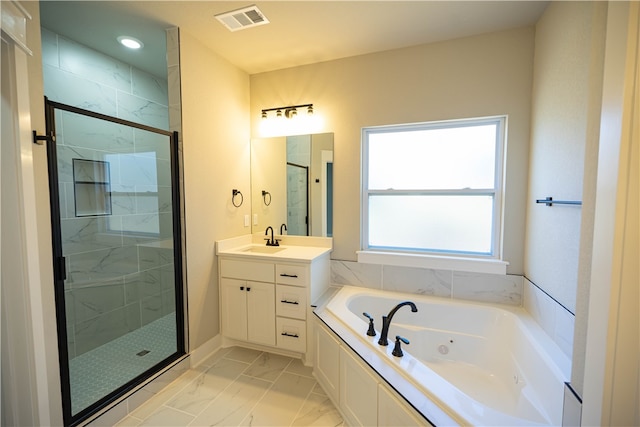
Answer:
(291, 248)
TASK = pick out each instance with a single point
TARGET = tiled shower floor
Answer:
(101, 370)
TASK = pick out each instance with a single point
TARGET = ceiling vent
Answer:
(240, 19)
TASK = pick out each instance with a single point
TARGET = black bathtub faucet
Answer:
(386, 320)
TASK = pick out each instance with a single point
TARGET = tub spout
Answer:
(386, 321)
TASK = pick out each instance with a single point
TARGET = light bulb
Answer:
(130, 42)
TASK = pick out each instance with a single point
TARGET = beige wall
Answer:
(564, 122)
(269, 173)
(215, 101)
(477, 76)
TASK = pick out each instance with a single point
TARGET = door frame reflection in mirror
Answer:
(268, 173)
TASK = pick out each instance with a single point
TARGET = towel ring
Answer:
(265, 195)
(234, 193)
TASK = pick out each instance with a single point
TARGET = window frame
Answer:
(497, 191)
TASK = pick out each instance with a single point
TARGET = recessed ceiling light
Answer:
(130, 42)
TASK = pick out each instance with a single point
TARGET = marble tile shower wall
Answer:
(118, 277)
(515, 290)
(77, 75)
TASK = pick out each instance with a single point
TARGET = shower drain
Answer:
(143, 353)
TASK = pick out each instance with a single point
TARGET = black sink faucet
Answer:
(386, 321)
(272, 241)
(283, 226)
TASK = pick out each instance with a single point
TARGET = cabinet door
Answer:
(234, 308)
(261, 313)
(392, 412)
(358, 392)
(327, 362)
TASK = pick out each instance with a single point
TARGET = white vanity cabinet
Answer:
(248, 310)
(265, 299)
(247, 297)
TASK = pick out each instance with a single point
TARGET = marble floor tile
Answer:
(297, 367)
(281, 403)
(129, 421)
(243, 354)
(268, 366)
(155, 403)
(168, 417)
(230, 407)
(318, 411)
(240, 387)
(197, 395)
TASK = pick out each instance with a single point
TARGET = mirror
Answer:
(292, 184)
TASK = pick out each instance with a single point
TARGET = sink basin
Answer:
(264, 249)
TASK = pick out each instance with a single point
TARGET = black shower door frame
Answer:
(59, 264)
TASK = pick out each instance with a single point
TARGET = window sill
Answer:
(473, 265)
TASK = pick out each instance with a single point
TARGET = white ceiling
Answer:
(300, 32)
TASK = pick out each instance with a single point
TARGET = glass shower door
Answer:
(115, 222)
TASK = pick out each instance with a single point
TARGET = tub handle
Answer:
(397, 349)
(371, 332)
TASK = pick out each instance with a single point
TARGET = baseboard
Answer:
(201, 353)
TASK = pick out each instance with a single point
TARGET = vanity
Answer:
(267, 293)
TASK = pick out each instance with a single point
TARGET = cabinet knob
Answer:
(242, 288)
(248, 289)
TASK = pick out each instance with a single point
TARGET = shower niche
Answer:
(92, 187)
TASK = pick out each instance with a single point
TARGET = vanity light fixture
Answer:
(290, 120)
(290, 111)
(130, 42)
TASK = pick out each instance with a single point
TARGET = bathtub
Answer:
(477, 364)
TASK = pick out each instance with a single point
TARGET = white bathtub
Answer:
(481, 364)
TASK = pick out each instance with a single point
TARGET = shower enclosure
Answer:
(297, 199)
(117, 254)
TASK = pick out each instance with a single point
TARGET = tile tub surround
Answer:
(238, 386)
(483, 287)
(556, 320)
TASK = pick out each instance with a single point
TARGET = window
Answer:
(434, 188)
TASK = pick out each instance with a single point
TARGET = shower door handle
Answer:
(60, 268)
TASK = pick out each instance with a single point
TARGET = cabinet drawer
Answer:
(290, 274)
(247, 270)
(291, 334)
(291, 301)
